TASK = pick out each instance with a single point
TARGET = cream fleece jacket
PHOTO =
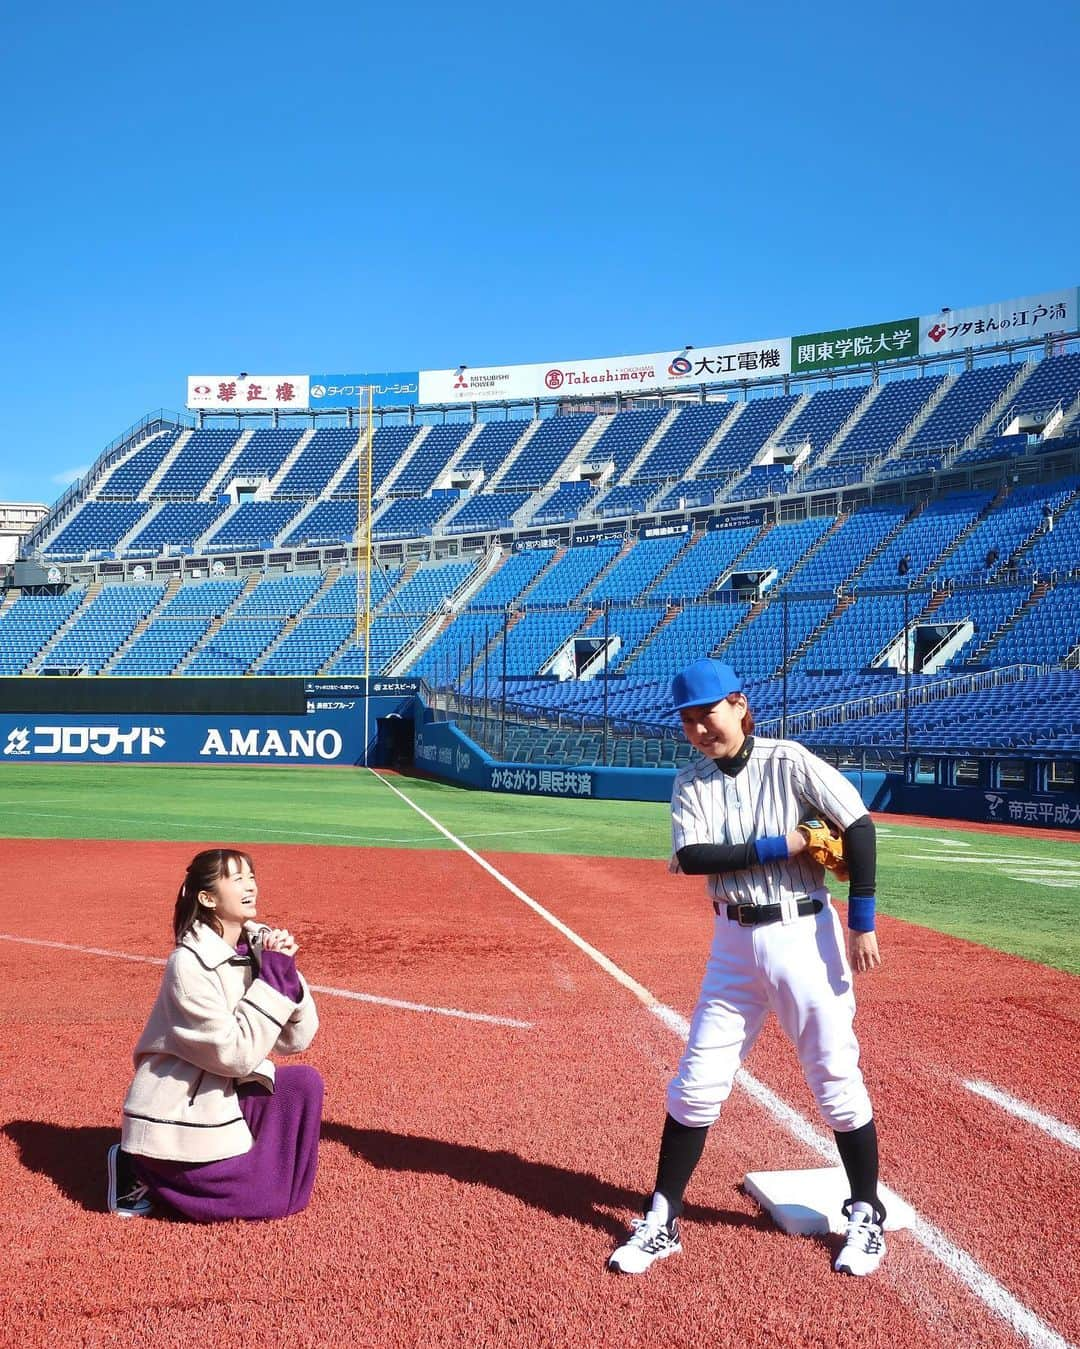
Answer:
(211, 1028)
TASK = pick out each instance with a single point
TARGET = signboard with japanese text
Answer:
(989, 325)
(738, 519)
(666, 370)
(332, 733)
(869, 343)
(396, 388)
(252, 393)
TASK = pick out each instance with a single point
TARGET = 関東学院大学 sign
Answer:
(866, 344)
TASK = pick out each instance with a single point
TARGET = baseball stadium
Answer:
(407, 638)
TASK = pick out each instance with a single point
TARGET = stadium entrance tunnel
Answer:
(394, 739)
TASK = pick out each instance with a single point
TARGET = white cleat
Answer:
(864, 1242)
(649, 1241)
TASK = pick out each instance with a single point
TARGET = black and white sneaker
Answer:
(649, 1240)
(864, 1242)
(124, 1195)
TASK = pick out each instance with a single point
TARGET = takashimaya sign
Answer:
(668, 370)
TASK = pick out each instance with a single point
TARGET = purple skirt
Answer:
(272, 1180)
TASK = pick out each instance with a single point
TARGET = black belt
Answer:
(751, 915)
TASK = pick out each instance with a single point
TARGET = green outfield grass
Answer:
(1020, 895)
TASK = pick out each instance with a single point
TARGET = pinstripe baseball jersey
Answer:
(780, 785)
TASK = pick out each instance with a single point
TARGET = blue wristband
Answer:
(860, 913)
(771, 849)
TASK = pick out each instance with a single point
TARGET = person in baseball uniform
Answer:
(777, 946)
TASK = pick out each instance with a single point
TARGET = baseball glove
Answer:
(825, 846)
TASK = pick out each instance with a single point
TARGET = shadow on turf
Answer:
(555, 1189)
(73, 1158)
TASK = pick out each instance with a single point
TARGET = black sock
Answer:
(680, 1151)
(859, 1153)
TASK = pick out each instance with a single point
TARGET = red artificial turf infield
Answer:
(473, 1177)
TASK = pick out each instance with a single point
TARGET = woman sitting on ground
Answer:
(210, 1130)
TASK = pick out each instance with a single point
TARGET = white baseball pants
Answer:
(798, 970)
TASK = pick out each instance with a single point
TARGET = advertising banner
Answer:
(871, 342)
(255, 392)
(395, 388)
(661, 531)
(665, 370)
(324, 737)
(989, 325)
(738, 519)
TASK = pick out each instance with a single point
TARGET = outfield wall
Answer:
(444, 751)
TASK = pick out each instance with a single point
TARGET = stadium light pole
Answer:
(502, 691)
(783, 669)
(363, 499)
(472, 685)
(607, 638)
(903, 566)
(487, 678)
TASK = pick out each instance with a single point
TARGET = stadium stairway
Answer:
(1038, 592)
(765, 454)
(896, 449)
(530, 430)
(790, 582)
(122, 544)
(329, 577)
(289, 460)
(221, 473)
(557, 556)
(654, 586)
(658, 433)
(150, 486)
(986, 426)
(608, 568)
(579, 455)
(171, 587)
(705, 453)
(852, 580)
(385, 487)
(444, 479)
(342, 471)
(217, 623)
(1069, 416)
(842, 602)
(829, 449)
(521, 517)
(950, 548)
(1016, 559)
(412, 649)
(92, 591)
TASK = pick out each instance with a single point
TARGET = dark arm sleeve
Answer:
(707, 859)
(860, 853)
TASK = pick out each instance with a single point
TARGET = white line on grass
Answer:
(1060, 1132)
(977, 1280)
(317, 988)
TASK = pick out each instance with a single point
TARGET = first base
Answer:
(809, 1202)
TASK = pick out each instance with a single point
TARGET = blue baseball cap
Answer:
(704, 683)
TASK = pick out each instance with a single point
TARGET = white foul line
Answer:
(1060, 1132)
(982, 1284)
(316, 988)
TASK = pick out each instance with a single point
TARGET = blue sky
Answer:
(358, 187)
